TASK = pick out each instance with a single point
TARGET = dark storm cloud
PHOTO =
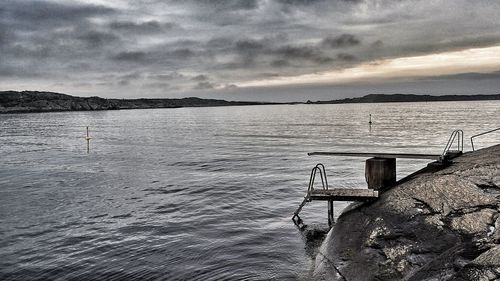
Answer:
(300, 2)
(222, 4)
(303, 53)
(344, 40)
(181, 53)
(346, 57)
(206, 44)
(151, 26)
(5, 37)
(132, 56)
(249, 46)
(34, 14)
(95, 39)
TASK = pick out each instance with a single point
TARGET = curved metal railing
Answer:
(322, 173)
(484, 133)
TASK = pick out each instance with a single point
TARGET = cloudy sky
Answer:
(284, 50)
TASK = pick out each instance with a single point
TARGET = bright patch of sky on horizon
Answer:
(283, 50)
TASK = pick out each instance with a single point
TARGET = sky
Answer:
(261, 50)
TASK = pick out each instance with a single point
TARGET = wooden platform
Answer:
(379, 155)
(344, 194)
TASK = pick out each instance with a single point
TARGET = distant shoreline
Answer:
(387, 98)
(34, 101)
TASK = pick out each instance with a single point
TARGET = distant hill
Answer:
(33, 101)
(376, 98)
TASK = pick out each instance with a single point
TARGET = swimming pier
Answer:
(380, 174)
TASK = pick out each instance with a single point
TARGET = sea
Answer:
(196, 193)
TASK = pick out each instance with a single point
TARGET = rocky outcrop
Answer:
(442, 225)
(31, 101)
(14, 102)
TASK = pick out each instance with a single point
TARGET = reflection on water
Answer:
(194, 193)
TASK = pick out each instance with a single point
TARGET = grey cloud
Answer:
(124, 82)
(344, 40)
(32, 14)
(249, 46)
(157, 85)
(151, 26)
(301, 2)
(167, 76)
(219, 42)
(223, 4)
(200, 77)
(132, 56)
(4, 36)
(182, 53)
(230, 41)
(377, 44)
(280, 63)
(95, 39)
(132, 76)
(309, 53)
(346, 57)
(204, 85)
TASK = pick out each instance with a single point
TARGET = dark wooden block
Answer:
(380, 173)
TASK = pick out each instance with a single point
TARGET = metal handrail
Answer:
(451, 140)
(484, 133)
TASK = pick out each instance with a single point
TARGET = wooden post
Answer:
(331, 215)
(380, 173)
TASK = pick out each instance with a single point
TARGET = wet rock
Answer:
(442, 225)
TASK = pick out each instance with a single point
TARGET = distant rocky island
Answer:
(380, 98)
(35, 101)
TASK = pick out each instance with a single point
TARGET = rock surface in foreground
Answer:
(432, 226)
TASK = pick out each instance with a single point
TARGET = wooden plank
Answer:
(344, 194)
(378, 155)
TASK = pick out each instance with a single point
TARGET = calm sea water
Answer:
(194, 193)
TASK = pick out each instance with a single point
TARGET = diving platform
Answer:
(447, 156)
(378, 155)
(380, 174)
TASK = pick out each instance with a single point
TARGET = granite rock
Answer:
(433, 225)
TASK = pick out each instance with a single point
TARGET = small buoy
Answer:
(88, 138)
(370, 122)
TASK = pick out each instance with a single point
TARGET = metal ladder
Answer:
(457, 135)
(307, 198)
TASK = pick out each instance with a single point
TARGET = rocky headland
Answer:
(383, 98)
(33, 101)
(433, 225)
